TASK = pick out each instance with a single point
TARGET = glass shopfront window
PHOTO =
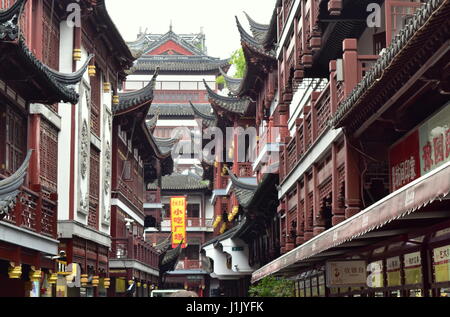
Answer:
(314, 287)
(322, 285)
(393, 269)
(302, 288)
(308, 288)
(441, 264)
(413, 268)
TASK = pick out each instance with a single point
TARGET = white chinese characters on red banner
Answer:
(423, 150)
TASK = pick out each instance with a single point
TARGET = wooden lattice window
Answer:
(50, 41)
(15, 134)
(94, 187)
(49, 155)
(95, 103)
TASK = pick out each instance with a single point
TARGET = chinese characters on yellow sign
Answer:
(178, 217)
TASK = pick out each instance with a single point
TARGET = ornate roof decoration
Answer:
(10, 187)
(233, 84)
(179, 63)
(244, 191)
(234, 105)
(270, 39)
(169, 260)
(165, 145)
(59, 84)
(208, 120)
(177, 110)
(135, 98)
(148, 43)
(180, 182)
(259, 30)
(254, 44)
(9, 26)
(151, 124)
(417, 30)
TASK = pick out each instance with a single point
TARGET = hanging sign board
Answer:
(346, 273)
(178, 220)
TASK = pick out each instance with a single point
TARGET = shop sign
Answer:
(441, 264)
(238, 249)
(178, 220)
(423, 150)
(393, 271)
(346, 273)
(413, 268)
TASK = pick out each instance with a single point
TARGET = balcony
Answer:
(186, 264)
(130, 194)
(195, 224)
(35, 212)
(323, 104)
(134, 248)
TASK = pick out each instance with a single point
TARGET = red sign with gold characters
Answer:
(178, 220)
(424, 149)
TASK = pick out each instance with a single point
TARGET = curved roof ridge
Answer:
(233, 84)
(239, 184)
(258, 30)
(238, 105)
(136, 97)
(70, 78)
(253, 43)
(201, 114)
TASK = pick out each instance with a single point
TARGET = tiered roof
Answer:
(180, 182)
(38, 82)
(244, 191)
(177, 110)
(208, 120)
(230, 104)
(191, 58)
(10, 187)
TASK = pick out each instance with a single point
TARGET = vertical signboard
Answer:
(178, 220)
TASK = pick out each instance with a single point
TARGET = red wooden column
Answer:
(34, 139)
(307, 208)
(352, 180)
(350, 61)
(338, 213)
(333, 88)
(319, 225)
(37, 28)
(300, 215)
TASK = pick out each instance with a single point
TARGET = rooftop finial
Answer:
(171, 26)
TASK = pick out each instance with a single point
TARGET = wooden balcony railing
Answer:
(193, 222)
(186, 264)
(134, 248)
(35, 212)
(128, 192)
(365, 62)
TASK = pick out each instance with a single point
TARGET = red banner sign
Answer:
(178, 220)
(423, 150)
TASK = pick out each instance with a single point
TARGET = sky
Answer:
(217, 17)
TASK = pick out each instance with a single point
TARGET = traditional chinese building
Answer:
(371, 188)
(84, 179)
(32, 93)
(138, 160)
(183, 66)
(245, 195)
